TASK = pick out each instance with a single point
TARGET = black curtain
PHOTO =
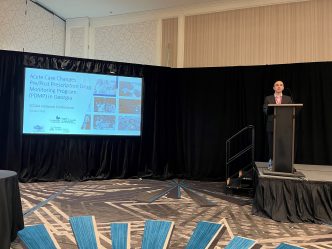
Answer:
(187, 116)
(80, 157)
(11, 97)
(54, 157)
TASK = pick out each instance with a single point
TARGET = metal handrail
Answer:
(243, 129)
(240, 153)
(251, 147)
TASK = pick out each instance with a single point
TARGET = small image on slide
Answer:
(105, 105)
(130, 106)
(129, 123)
(87, 122)
(106, 88)
(130, 89)
(104, 122)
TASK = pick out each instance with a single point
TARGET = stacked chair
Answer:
(85, 231)
(240, 242)
(287, 246)
(204, 235)
(156, 235)
(38, 237)
(120, 235)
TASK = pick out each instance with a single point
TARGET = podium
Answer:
(283, 137)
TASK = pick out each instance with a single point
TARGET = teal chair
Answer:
(204, 235)
(85, 232)
(240, 243)
(38, 237)
(287, 246)
(157, 234)
(120, 235)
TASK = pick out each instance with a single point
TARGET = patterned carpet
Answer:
(136, 200)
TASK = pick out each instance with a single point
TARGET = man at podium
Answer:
(277, 98)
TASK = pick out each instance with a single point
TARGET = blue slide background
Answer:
(62, 102)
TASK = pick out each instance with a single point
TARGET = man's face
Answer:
(278, 87)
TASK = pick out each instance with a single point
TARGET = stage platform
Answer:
(320, 173)
(295, 199)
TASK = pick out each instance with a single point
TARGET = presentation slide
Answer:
(62, 102)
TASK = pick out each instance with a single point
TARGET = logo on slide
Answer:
(38, 128)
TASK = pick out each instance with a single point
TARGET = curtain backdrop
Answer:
(187, 116)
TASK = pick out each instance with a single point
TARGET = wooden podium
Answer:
(283, 137)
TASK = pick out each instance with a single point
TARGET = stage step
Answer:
(242, 183)
(238, 183)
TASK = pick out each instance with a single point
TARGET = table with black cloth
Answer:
(11, 216)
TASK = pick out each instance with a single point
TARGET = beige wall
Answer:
(210, 34)
(127, 42)
(169, 47)
(284, 33)
(220, 33)
(25, 26)
(119, 38)
(154, 37)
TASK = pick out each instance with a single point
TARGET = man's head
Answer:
(278, 87)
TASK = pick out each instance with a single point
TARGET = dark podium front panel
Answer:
(283, 136)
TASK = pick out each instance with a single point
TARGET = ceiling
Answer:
(67, 9)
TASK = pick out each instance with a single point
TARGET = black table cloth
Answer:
(11, 216)
(288, 200)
